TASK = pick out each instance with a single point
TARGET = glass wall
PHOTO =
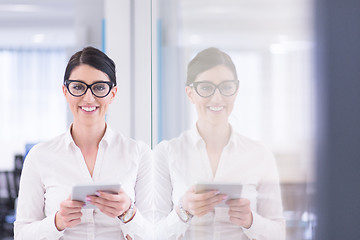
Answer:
(271, 45)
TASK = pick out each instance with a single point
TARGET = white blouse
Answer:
(183, 161)
(52, 168)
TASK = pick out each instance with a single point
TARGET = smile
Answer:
(88, 109)
(216, 109)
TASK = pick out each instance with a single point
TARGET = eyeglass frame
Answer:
(67, 82)
(195, 84)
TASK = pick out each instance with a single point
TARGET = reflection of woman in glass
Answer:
(88, 153)
(212, 152)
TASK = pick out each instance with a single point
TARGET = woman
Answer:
(212, 152)
(88, 153)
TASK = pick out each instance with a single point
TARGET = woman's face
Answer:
(88, 109)
(216, 108)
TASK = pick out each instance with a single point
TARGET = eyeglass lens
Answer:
(206, 89)
(98, 89)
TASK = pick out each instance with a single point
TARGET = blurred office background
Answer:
(271, 42)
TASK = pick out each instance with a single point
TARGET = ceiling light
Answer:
(38, 38)
(19, 8)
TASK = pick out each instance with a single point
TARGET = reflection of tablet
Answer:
(79, 192)
(232, 190)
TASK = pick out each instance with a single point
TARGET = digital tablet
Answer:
(232, 190)
(79, 192)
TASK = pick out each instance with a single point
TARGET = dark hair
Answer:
(207, 59)
(94, 58)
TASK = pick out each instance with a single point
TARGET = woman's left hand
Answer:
(240, 212)
(111, 204)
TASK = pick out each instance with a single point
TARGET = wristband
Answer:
(184, 215)
(129, 214)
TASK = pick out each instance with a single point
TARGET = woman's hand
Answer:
(240, 212)
(199, 204)
(69, 214)
(113, 205)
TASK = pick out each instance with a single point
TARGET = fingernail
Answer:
(88, 199)
(217, 192)
(97, 193)
(225, 197)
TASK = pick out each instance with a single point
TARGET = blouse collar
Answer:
(196, 138)
(106, 138)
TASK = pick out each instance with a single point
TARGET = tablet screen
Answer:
(232, 190)
(79, 192)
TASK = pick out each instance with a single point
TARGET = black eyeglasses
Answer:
(207, 89)
(99, 89)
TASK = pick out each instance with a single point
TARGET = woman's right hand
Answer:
(199, 204)
(69, 214)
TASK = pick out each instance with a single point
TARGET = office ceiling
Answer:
(34, 13)
(247, 22)
(55, 23)
(238, 23)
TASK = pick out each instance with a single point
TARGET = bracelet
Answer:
(184, 215)
(129, 214)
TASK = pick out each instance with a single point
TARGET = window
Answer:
(32, 106)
